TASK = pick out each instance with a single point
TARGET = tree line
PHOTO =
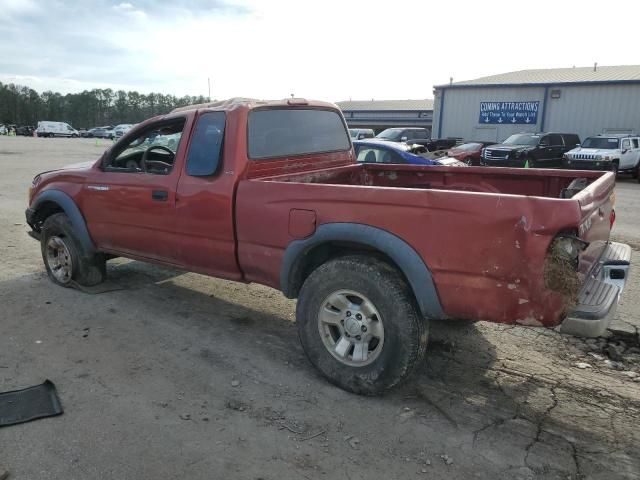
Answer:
(21, 105)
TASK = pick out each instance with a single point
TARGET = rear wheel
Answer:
(636, 172)
(469, 161)
(64, 258)
(359, 324)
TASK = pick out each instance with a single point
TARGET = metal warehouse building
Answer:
(381, 114)
(586, 101)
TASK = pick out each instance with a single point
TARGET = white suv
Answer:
(620, 153)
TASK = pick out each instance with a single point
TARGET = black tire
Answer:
(405, 330)
(614, 168)
(85, 268)
(636, 172)
(469, 161)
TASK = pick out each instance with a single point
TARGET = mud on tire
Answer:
(63, 252)
(402, 340)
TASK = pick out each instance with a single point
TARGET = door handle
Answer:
(159, 195)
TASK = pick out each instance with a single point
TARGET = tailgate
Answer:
(596, 203)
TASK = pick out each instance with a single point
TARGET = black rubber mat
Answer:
(28, 404)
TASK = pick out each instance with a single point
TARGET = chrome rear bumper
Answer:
(598, 299)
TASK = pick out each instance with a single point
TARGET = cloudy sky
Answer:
(330, 49)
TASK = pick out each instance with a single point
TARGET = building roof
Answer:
(554, 76)
(426, 104)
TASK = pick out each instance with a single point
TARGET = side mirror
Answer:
(624, 151)
(403, 139)
(577, 145)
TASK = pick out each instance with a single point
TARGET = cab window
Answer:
(205, 149)
(152, 151)
(626, 144)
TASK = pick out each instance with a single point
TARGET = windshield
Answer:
(522, 139)
(390, 134)
(353, 133)
(601, 143)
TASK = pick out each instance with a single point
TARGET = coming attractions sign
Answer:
(509, 112)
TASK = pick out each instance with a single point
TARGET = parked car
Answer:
(371, 251)
(361, 133)
(469, 153)
(100, 132)
(25, 130)
(83, 132)
(3, 129)
(56, 129)
(408, 135)
(120, 130)
(380, 151)
(620, 153)
(536, 150)
(417, 136)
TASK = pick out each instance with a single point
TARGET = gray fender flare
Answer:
(72, 211)
(404, 256)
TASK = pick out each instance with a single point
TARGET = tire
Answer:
(614, 169)
(637, 172)
(391, 321)
(469, 161)
(64, 258)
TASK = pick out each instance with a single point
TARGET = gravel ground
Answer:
(165, 374)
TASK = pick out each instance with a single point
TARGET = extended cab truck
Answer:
(270, 192)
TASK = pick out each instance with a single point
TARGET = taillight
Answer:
(612, 219)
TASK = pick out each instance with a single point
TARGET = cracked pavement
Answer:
(167, 374)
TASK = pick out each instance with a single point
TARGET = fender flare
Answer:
(405, 257)
(72, 211)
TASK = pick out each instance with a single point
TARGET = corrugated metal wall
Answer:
(589, 110)
(585, 110)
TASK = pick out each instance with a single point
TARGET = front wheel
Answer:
(64, 258)
(359, 324)
(469, 161)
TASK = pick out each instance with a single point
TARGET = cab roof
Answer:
(251, 103)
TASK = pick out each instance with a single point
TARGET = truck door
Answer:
(205, 204)
(129, 204)
(628, 154)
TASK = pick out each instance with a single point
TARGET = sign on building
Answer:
(509, 112)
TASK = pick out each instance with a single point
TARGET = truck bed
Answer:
(512, 181)
(484, 233)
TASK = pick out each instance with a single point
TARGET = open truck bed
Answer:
(487, 235)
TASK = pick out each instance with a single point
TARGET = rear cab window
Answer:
(286, 132)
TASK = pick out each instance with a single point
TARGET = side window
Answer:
(555, 140)
(151, 151)
(626, 144)
(635, 142)
(368, 155)
(545, 141)
(205, 150)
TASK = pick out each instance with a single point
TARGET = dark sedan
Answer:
(469, 153)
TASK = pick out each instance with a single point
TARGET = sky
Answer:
(328, 50)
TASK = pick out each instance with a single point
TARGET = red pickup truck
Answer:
(270, 192)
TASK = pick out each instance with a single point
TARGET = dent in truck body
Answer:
(403, 255)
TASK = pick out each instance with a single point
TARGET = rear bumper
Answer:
(598, 299)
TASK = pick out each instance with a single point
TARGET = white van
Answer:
(56, 129)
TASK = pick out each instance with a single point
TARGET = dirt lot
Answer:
(171, 375)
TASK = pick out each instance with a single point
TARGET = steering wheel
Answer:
(145, 155)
